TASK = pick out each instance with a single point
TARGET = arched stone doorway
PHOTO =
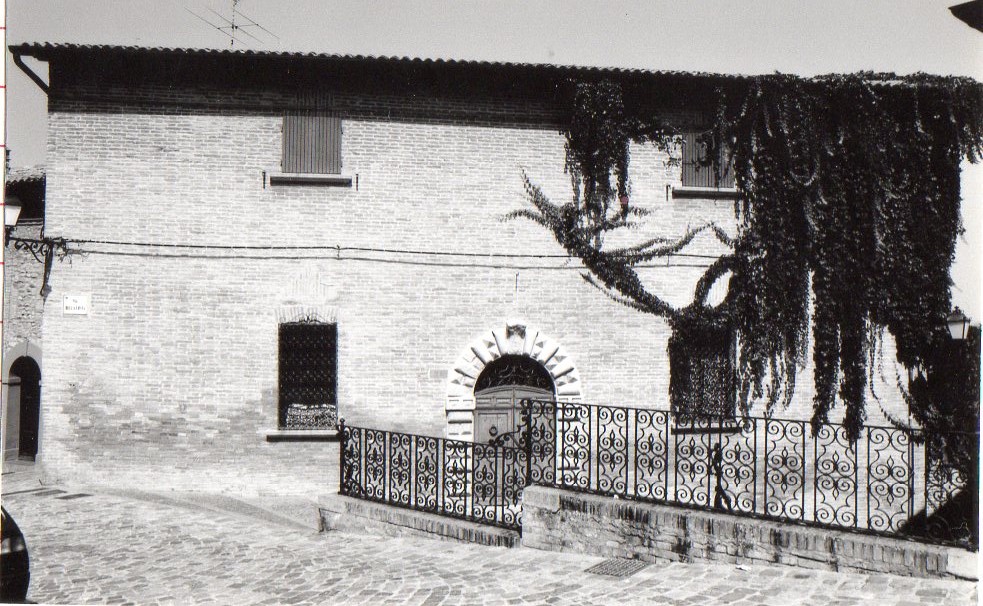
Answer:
(500, 387)
(510, 339)
(23, 406)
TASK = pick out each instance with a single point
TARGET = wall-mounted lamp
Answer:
(958, 324)
(11, 211)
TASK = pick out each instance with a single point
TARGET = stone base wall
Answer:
(558, 520)
(337, 512)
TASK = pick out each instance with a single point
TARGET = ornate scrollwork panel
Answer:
(456, 464)
(540, 416)
(737, 468)
(612, 450)
(651, 454)
(835, 483)
(784, 469)
(400, 467)
(573, 427)
(425, 473)
(376, 464)
(693, 464)
(487, 465)
(889, 490)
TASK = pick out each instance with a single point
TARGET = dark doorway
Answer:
(501, 387)
(28, 373)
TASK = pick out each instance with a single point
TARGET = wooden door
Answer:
(498, 412)
(29, 374)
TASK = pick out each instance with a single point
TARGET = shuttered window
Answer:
(308, 375)
(700, 167)
(311, 142)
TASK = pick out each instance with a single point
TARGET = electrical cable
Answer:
(335, 257)
(359, 249)
(327, 252)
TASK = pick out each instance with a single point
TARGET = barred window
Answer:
(308, 376)
(705, 162)
(701, 373)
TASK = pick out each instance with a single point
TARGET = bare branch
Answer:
(613, 296)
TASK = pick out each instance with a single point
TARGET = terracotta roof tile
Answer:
(47, 50)
(25, 174)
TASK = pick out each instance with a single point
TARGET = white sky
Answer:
(805, 37)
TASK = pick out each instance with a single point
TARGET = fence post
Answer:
(341, 456)
(527, 420)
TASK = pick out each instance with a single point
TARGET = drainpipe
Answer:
(19, 62)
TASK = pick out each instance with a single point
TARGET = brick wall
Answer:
(170, 379)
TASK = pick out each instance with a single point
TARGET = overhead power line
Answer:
(397, 256)
(357, 249)
(330, 257)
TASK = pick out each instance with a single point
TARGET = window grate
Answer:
(702, 378)
(308, 376)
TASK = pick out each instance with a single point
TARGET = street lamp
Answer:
(11, 211)
(958, 324)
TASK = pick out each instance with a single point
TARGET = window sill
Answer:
(310, 179)
(715, 193)
(300, 435)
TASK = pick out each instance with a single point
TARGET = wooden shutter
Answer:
(694, 173)
(698, 171)
(312, 137)
(726, 169)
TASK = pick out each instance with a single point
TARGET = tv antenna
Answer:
(237, 26)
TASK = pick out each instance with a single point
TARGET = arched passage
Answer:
(520, 342)
(24, 406)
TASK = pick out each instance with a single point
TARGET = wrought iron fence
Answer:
(886, 482)
(477, 482)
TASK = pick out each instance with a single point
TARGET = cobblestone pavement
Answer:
(113, 549)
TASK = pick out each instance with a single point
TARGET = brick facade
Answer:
(170, 378)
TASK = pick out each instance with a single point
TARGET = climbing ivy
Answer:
(847, 207)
